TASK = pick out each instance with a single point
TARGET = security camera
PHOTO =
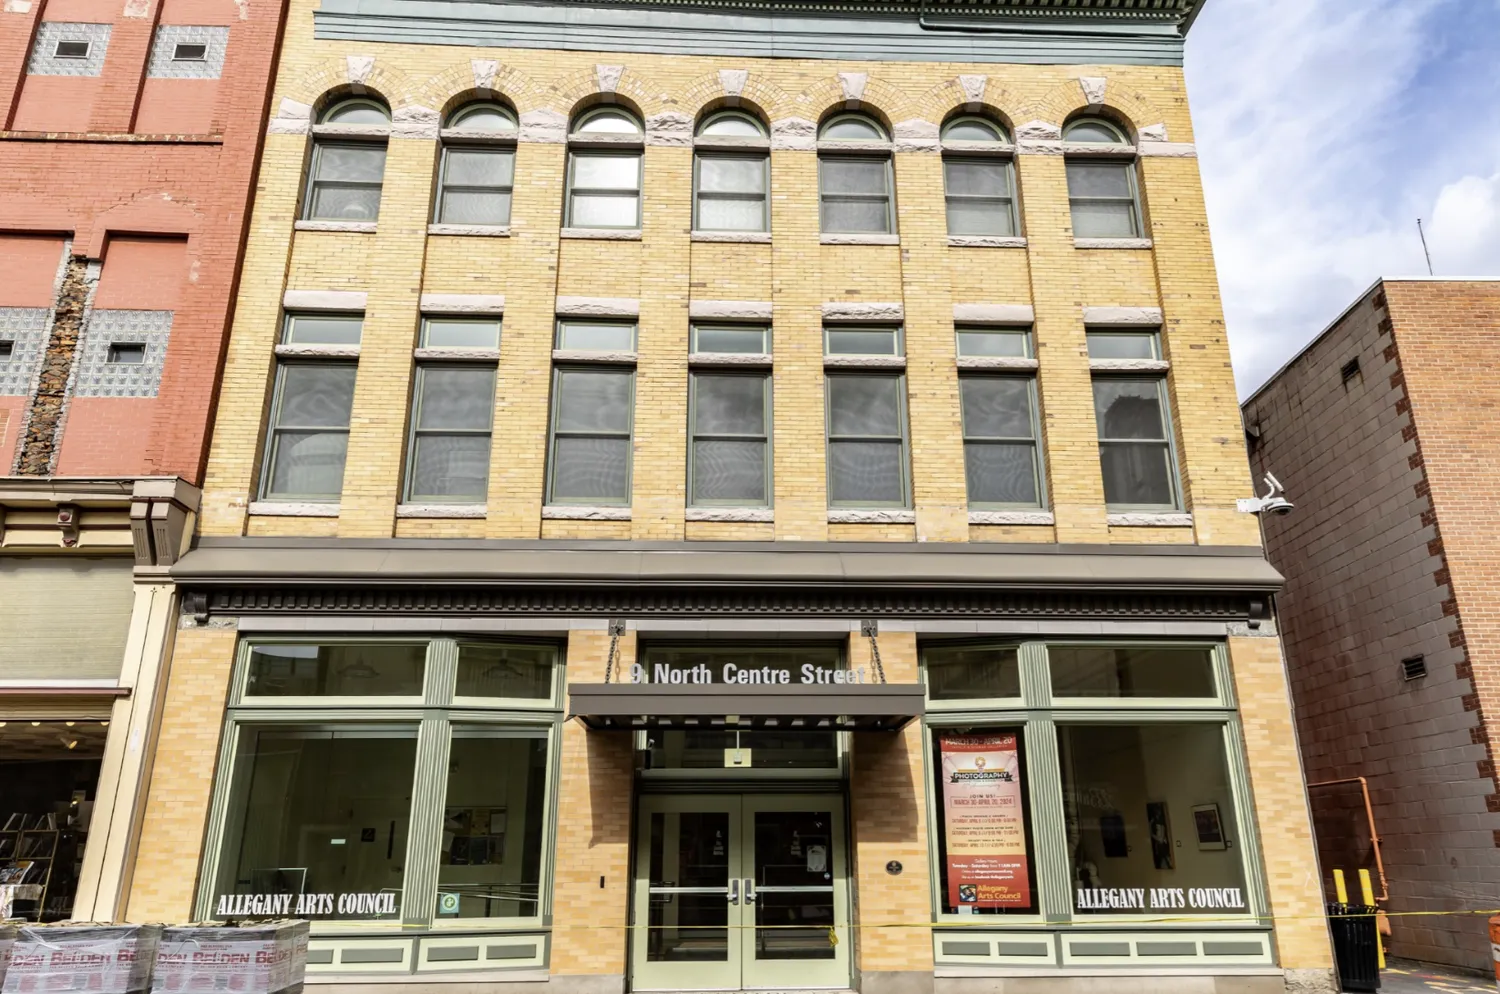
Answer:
(1274, 500)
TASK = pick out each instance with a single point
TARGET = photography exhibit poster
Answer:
(984, 821)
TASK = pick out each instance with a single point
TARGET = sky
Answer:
(1325, 128)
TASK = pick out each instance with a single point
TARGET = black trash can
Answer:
(1355, 945)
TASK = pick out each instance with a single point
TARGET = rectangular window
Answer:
(71, 50)
(985, 854)
(127, 353)
(732, 192)
(1135, 447)
(847, 340)
(738, 340)
(189, 52)
(855, 194)
(1124, 345)
(1151, 819)
(322, 809)
(323, 329)
(7, 348)
(604, 190)
(452, 408)
(730, 462)
(490, 855)
(345, 181)
(1001, 460)
(1103, 199)
(866, 440)
(973, 672)
(380, 669)
(476, 186)
(309, 430)
(460, 333)
(980, 196)
(592, 417)
(596, 336)
(994, 342)
(1131, 671)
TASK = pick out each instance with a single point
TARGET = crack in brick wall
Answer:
(45, 415)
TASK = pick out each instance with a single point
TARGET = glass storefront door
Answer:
(740, 892)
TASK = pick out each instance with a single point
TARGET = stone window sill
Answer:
(293, 509)
(871, 516)
(456, 354)
(578, 512)
(739, 237)
(864, 362)
(1112, 243)
(859, 239)
(356, 227)
(1011, 518)
(1129, 365)
(862, 312)
(1017, 363)
(472, 230)
(472, 304)
(441, 510)
(584, 355)
(318, 351)
(1150, 519)
(737, 359)
(604, 234)
(761, 514)
(986, 241)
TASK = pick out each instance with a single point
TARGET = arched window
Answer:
(348, 162)
(604, 170)
(732, 174)
(478, 166)
(855, 182)
(1102, 185)
(980, 186)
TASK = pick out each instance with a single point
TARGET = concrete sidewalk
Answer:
(1406, 977)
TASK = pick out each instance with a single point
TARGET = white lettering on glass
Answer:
(733, 675)
(304, 905)
(1160, 898)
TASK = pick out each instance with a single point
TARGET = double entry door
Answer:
(740, 892)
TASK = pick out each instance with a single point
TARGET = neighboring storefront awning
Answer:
(871, 707)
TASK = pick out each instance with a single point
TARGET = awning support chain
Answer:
(870, 628)
(616, 629)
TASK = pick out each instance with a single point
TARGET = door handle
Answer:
(734, 891)
(749, 890)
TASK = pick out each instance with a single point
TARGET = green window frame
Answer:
(1036, 713)
(561, 436)
(434, 719)
(312, 400)
(977, 443)
(348, 169)
(761, 194)
(701, 441)
(843, 445)
(448, 431)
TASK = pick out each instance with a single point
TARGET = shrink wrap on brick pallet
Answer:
(7, 940)
(264, 958)
(81, 959)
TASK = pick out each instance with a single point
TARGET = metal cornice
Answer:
(1177, 11)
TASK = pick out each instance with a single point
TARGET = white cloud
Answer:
(1325, 129)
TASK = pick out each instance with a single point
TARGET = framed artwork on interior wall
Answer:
(1112, 834)
(1159, 824)
(1210, 827)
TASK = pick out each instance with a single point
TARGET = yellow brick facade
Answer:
(665, 269)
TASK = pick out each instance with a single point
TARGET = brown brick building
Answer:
(129, 135)
(1384, 432)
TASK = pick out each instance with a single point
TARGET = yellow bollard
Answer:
(1367, 892)
(1340, 892)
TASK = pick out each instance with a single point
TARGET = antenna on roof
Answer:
(1424, 246)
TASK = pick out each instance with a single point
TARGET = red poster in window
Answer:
(984, 822)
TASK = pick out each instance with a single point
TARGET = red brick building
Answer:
(128, 145)
(1385, 431)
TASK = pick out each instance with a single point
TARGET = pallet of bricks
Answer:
(265, 958)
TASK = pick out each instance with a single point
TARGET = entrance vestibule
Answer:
(740, 892)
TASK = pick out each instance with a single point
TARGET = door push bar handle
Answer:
(749, 890)
(734, 891)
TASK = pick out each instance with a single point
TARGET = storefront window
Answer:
(320, 824)
(956, 673)
(491, 854)
(340, 670)
(1150, 819)
(1121, 671)
(359, 791)
(983, 830)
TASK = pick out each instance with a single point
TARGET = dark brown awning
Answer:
(873, 707)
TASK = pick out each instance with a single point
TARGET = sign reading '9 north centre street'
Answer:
(733, 675)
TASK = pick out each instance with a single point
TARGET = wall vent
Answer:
(1413, 667)
(1350, 371)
